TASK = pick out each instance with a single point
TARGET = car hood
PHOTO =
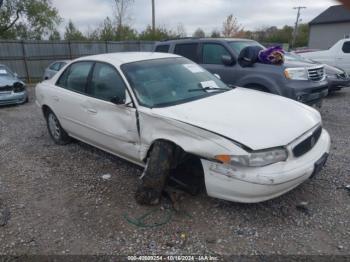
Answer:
(254, 119)
(8, 81)
(292, 64)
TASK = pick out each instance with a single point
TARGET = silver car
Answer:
(12, 89)
(53, 68)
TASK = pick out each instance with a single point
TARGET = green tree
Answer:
(55, 36)
(125, 33)
(199, 33)
(302, 36)
(159, 34)
(107, 32)
(30, 19)
(72, 33)
(215, 33)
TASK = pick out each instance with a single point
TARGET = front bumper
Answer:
(308, 92)
(337, 84)
(252, 185)
(11, 98)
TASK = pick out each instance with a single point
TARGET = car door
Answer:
(68, 100)
(212, 54)
(343, 57)
(110, 115)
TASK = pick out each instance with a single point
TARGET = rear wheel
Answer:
(56, 131)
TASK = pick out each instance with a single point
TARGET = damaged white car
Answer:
(161, 110)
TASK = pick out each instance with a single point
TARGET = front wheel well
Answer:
(46, 109)
(186, 168)
(258, 87)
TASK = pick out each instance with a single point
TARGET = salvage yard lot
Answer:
(55, 200)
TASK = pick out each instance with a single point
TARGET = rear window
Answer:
(163, 48)
(55, 67)
(346, 47)
(187, 50)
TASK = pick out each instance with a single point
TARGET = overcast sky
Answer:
(207, 14)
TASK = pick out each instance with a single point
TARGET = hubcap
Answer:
(54, 127)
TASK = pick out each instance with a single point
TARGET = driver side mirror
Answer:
(227, 60)
(117, 100)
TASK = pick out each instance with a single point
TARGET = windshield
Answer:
(170, 81)
(237, 46)
(4, 71)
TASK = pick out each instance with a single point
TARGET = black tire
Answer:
(156, 174)
(57, 133)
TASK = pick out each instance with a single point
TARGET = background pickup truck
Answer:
(338, 55)
(298, 80)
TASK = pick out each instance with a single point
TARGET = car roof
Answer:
(118, 59)
(194, 39)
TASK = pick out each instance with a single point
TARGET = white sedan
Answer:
(159, 110)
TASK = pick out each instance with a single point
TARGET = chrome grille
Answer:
(316, 74)
(306, 145)
(6, 88)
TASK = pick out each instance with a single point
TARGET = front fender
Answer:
(191, 139)
(259, 80)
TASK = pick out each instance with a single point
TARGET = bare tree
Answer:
(230, 27)
(181, 30)
(122, 9)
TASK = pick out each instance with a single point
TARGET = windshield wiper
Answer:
(209, 88)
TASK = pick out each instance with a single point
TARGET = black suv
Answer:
(301, 81)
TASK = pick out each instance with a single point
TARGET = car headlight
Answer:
(18, 87)
(255, 159)
(296, 73)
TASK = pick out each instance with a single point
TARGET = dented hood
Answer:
(254, 119)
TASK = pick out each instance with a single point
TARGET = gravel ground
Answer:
(54, 200)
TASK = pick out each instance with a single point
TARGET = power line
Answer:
(296, 24)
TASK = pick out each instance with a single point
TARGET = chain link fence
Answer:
(29, 59)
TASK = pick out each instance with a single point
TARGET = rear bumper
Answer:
(13, 98)
(252, 185)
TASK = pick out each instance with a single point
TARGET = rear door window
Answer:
(162, 48)
(75, 77)
(212, 53)
(187, 50)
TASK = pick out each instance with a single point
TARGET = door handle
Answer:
(92, 111)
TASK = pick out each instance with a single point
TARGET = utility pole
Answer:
(153, 16)
(296, 24)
